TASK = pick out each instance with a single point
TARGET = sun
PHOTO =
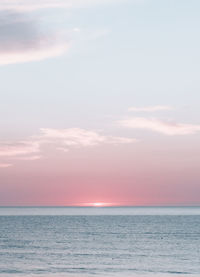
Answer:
(98, 204)
(101, 204)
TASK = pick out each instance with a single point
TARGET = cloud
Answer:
(29, 158)
(5, 165)
(164, 127)
(59, 139)
(21, 40)
(150, 109)
(31, 5)
(10, 149)
(32, 55)
(76, 137)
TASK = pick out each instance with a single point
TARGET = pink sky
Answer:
(99, 102)
(118, 175)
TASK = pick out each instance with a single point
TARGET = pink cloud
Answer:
(60, 139)
(31, 5)
(8, 149)
(48, 51)
(29, 158)
(5, 165)
(164, 127)
(150, 109)
(80, 137)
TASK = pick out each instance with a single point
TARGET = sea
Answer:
(99, 241)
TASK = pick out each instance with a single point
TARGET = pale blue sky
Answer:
(126, 54)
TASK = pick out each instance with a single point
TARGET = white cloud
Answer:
(8, 149)
(5, 165)
(32, 54)
(76, 29)
(150, 109)
(59, 139)
(73, 136)
(163, 127)
(76, 137)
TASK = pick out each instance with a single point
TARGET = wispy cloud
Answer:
(22, 41)
(150, 109)
(32, 55)
(30, 158)
(76, 137)
(5, 165)
(30, 149)
(164, 127)
(10, 149)
(31, 5)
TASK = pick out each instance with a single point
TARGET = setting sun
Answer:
(99, 204)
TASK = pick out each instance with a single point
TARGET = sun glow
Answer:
(98, 204)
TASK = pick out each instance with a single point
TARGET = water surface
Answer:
(82, 242)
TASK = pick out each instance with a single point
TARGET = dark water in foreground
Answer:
(47, 242)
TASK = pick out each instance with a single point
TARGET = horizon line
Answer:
(103, 206)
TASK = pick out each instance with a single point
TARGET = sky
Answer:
(99, 102)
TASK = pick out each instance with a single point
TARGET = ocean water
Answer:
(101, 242)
